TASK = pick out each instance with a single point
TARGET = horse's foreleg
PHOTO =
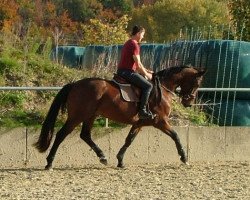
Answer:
(131, 136)
(60, 136)
(173, 134)
(86, 136)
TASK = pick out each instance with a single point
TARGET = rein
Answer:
(186, 97)
(168, 90)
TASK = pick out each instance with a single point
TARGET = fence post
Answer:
(106, 122)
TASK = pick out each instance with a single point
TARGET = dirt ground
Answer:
(227, 180)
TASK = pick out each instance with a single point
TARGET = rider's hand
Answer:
(149, 76)
(150, 71)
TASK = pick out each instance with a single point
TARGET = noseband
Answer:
(188, 96)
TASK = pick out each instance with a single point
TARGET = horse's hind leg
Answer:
(130, 138)
(86, 136)
(60, 136)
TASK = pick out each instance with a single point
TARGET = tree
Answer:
(103, 33)
(41, 18)
(139, 3)
(114, 9)
(164, 19)
(8, 14)
(79, 10)
(240, 11)
(120, 7)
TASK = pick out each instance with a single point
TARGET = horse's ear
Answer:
(202, 71)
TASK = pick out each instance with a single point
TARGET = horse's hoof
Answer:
(184, 160)
(48, 167)
(103, 161)
(121, 165)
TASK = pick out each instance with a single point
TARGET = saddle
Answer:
(128, 92)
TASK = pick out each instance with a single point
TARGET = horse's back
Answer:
(96, 96)
(91, 88)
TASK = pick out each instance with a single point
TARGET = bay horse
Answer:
(91, 97)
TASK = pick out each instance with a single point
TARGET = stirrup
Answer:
(143, 114)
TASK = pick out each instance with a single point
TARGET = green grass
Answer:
(21, 66)
(20, 118)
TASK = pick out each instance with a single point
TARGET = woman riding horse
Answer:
(88, 98)
(129, 66)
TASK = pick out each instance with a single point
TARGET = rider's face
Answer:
(140, 35)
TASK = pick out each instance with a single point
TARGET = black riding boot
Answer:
(143, 113)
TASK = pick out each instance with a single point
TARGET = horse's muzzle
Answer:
(188, 97)
(187, 100)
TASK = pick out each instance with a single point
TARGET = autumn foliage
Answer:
(65, 21)
(83, 22)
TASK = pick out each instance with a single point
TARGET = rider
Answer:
(131, 69)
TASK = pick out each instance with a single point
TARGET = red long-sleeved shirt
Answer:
(129, 49)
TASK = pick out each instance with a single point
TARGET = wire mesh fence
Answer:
(225, 91)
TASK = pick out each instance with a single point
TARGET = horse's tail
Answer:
(48, 125)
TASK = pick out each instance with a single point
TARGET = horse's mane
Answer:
(156, 92)
(168, 72)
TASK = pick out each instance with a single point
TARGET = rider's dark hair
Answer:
(136, 29)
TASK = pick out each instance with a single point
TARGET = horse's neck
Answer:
(169, 85)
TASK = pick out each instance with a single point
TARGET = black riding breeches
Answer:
(139, 81)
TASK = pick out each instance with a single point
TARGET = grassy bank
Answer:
(27, 63)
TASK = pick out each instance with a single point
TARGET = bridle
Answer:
(188, 97)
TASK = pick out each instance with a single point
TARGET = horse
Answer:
(88, 98)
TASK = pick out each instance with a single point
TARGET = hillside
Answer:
(22, 65)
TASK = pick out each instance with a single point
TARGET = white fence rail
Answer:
(200, 89)
(222, 112)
